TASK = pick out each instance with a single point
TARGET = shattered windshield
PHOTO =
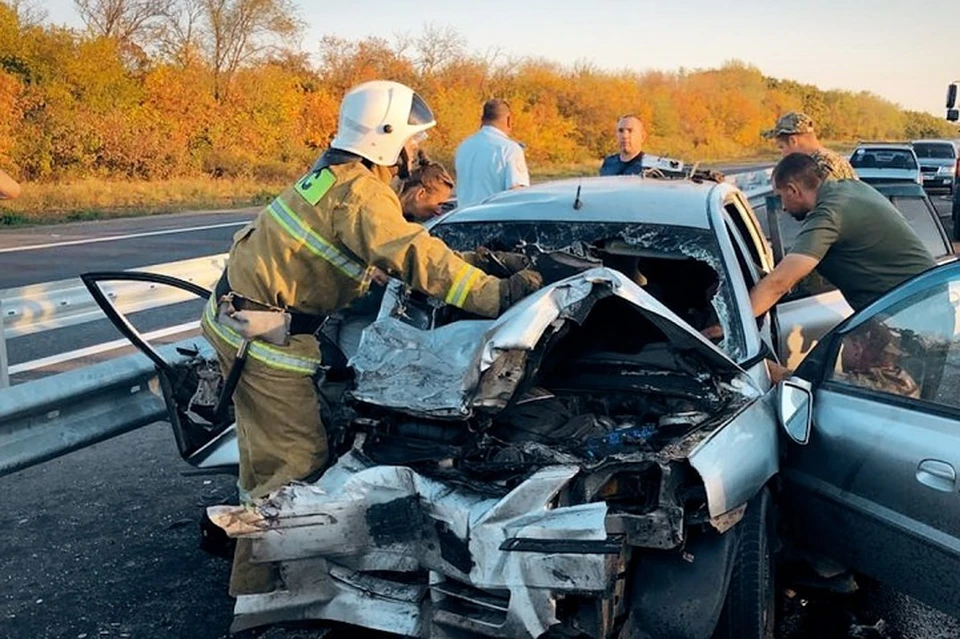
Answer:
(680, 266)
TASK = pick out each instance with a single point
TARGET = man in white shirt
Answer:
(489, 161)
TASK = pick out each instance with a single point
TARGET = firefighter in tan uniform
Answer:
(312, 251)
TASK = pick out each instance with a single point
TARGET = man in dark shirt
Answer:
(630, 137)
(631, 160)
(851, 234)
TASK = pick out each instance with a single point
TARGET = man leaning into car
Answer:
(851, 234)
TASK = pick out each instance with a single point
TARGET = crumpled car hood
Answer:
(445, 364)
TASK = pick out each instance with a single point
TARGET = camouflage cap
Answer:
(790, 124)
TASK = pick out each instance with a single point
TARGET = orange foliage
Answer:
(72, 104)
(9, 113)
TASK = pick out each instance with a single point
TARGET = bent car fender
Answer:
(738, 459)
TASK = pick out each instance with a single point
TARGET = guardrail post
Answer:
(4, 363)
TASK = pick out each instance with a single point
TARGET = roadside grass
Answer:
(97, 199)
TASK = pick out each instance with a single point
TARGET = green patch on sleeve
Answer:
(313, 186)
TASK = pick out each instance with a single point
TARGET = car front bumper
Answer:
(935, 181)
(389, 549)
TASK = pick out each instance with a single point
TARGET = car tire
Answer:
(749, 611)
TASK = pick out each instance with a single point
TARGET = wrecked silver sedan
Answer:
(588, 464)
(580, 466)
(506, 477)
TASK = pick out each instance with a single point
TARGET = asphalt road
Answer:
(47, 253)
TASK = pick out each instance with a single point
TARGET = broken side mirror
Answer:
(796, 409)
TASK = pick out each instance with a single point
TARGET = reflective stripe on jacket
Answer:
(311, 250)
(273, 356)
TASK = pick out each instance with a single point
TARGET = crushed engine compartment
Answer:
(518, 463)
(586, 392)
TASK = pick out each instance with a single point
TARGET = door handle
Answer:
(937, 474)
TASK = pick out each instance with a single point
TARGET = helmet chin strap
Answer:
(403, 164)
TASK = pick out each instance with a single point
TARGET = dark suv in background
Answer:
(938, 163)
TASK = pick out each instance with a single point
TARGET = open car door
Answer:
(205, 432)
(876, 489)
(814, 306)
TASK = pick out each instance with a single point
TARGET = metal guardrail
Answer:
(40, 307)
(36, 308)
(46, 418)
(56, 415)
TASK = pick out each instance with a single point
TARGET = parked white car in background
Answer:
(886, 162)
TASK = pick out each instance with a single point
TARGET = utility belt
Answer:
(251, 327)
(257, 320)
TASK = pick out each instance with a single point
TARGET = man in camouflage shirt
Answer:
(794, 133)
(871, 358)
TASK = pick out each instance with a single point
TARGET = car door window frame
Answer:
(749, 271)
(818, 367)
(767, 326)
(750, 231)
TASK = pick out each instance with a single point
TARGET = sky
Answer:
(905, 54)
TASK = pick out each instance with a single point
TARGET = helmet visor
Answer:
(420, 113)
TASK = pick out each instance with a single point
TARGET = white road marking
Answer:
(114, 238)
(99, 348)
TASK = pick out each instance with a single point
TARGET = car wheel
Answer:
(750, 608)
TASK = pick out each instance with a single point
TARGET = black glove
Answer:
(518, 286)
(500, 263)
(558, 265)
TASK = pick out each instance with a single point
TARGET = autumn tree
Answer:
(29, 13)
(178, 34)
(238, 32)
(223, 88)
(438, 47)
(129, 22)
(344, 64)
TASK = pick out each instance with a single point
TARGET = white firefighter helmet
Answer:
(377, 118)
